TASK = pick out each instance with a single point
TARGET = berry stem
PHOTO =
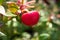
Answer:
(22, 2)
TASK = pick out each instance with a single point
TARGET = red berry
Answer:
(30, 18)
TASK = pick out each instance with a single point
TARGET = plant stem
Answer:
(22, 2)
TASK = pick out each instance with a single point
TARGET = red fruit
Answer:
(30, 18)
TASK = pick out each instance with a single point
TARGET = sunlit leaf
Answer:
(12, 6)
(8, 23)
(2, 10)
(3, 36)
(10, 14)
(15, 22)
(26, 35)
(44, 36)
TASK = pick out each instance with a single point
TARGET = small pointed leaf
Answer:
(2, 10)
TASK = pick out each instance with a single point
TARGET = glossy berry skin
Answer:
(30, 18)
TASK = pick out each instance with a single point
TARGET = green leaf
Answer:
(1, 1)
(10, 14)
(15, 22)
(44, 36)
(8, 23)
(2, 11)
(42, 6)
(3, 36)
(44, 15)
(43, 19)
